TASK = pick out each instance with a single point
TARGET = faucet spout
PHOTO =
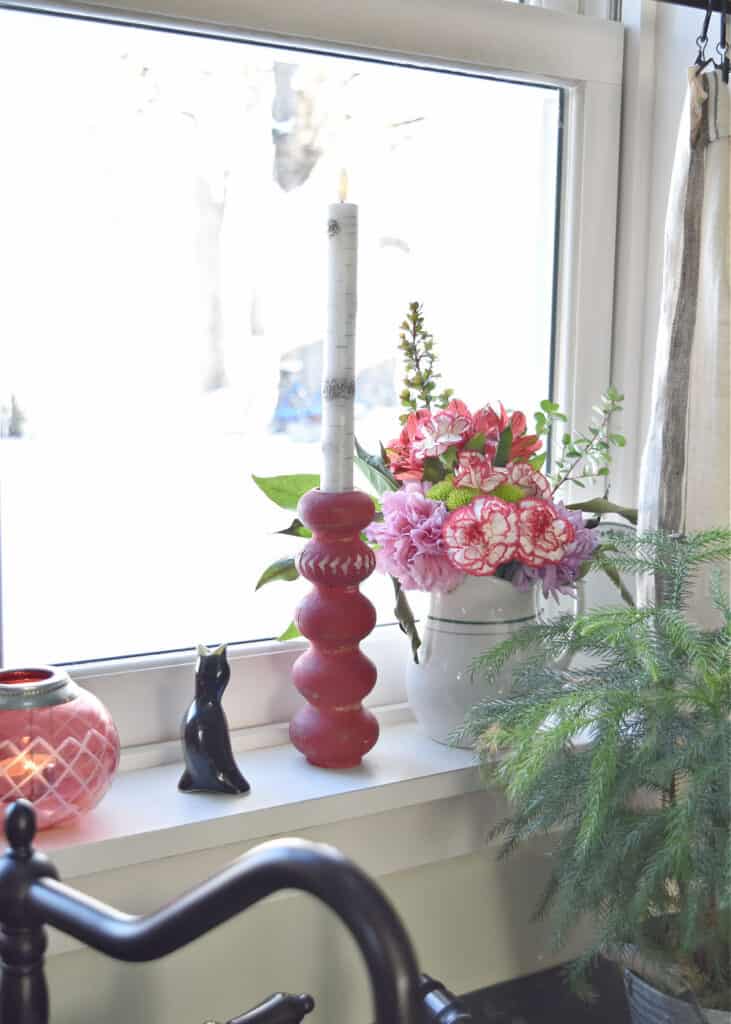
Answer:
(281, 1008)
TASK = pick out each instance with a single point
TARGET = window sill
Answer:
(145, 818)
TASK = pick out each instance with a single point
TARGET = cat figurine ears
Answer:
(215, 652)
(210, 766)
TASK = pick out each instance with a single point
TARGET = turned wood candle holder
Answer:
(333, 730)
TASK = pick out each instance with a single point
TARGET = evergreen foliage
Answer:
(624, 759)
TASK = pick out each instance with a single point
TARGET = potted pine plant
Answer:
(624, 759)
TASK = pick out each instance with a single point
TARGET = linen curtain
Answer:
(684, 477)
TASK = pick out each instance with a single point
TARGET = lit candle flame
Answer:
(25, 766)
(343, 185)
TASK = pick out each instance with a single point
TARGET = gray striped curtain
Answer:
(684, 478)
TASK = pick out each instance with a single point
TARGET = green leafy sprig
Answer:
(582, 457)
(420, 382)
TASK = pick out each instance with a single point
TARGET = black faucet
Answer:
(439, 1006)
(31, 897)
(281, 1008)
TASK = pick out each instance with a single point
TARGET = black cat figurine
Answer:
(209, 760)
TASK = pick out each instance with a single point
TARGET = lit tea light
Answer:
(25, 766)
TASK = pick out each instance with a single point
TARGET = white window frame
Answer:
(582, 55)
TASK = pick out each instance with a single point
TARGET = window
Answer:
(163, 196)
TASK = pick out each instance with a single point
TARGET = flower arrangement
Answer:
(464, 493)
(471, 497)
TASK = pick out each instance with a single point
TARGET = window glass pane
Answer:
(163, 204)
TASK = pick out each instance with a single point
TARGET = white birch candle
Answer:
(338, 378)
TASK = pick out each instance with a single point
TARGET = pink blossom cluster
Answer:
(410, 542)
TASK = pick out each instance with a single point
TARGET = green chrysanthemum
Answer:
(509, 492)
(460, 496)
(442, 490)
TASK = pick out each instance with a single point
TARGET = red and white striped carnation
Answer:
(441, 430)
(476, 470)
(532, 482)
(482, 536)
(543, 535)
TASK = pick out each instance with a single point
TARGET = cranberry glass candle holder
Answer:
(59, 747)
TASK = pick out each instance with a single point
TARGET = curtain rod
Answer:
(698, 4)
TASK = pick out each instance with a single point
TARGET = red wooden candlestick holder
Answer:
(333, 730)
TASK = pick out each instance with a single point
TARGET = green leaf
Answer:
(549, 407)
(537, 462)
(405, 618)
(603, 507)
(286, 491)
(374, 469)
(282, 569)
(290, 633)
(433, 470)
(449, 458)
(296, 529)
(611, 572)
(475, 444)
(503, 449)
(619, 439)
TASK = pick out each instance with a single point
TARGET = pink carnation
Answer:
(410, 541)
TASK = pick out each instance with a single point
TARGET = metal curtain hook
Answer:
(722, 47)
(702, 40)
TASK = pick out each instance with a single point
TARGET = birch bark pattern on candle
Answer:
(338, 380)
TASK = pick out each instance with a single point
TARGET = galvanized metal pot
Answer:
(647, 1005)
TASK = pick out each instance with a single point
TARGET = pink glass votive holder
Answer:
(59, 747)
